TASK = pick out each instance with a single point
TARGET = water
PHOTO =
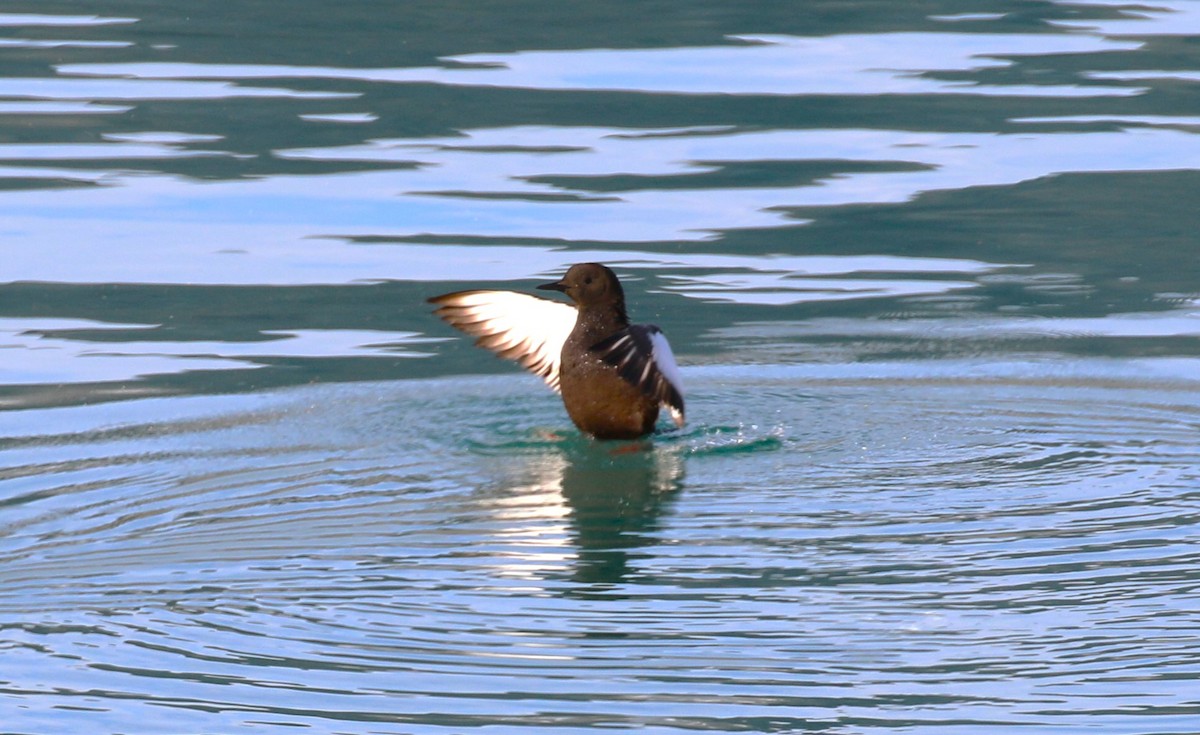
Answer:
(930, 269)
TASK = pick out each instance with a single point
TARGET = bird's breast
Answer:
(600, 401)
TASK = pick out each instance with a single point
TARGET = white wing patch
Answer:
(642, 355)
(516, 326)
(664, 360)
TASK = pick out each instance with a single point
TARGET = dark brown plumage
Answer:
(613, 376)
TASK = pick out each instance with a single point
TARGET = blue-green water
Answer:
(930, 268)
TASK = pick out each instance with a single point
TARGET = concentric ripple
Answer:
(816, 551)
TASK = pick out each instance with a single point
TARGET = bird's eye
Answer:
(587, 281)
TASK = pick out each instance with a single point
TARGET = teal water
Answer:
(930, 270)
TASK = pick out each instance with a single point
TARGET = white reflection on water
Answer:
(143, 89)
(37, 107)
(342, 117)
(966, 17)
(163, 138)
(40, 44)
(1161, 18)
(515, 155)
(852, 64)
(533, 522)
(31, 19)
(1156, 75)
(58, 351)
(783, 290)
(461, 191)
(117, 149)
(1042, 341)
(456, 263)
(1147, 120)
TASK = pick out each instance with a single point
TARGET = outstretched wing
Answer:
(642, 355)
(516, 326)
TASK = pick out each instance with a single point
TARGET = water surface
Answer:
(929, 268)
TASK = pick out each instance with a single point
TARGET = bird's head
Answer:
(590, 285)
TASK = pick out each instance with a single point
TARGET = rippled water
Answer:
(930, 269)
(855, 550)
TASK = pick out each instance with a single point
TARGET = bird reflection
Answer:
(616, 497)
(604, 499)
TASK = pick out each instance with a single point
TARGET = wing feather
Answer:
(642, 355)
(516, 326)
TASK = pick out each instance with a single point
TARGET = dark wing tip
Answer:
(446, 298)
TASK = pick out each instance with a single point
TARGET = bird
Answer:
(613, 376)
